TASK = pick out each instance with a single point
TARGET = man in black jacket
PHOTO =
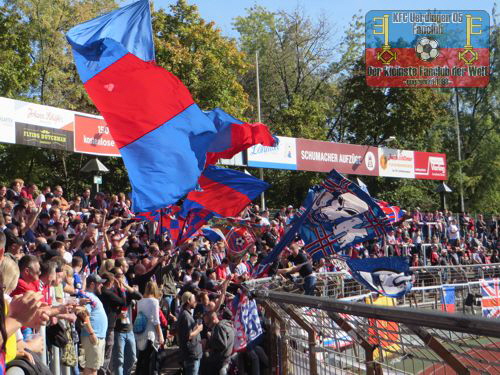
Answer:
(219, 346)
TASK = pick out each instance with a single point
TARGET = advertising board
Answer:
(283, 156)
(430, 166)
(396, 163)
(92, 136)
(320, 156)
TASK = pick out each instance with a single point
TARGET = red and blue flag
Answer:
(195, 219)
(163, 136)
(234, 136)
(393, 213)
(239, 240)
(448, 298)
(224, 191)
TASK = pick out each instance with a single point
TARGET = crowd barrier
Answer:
(317, 335)
(427, 290)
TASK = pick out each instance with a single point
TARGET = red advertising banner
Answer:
(92, 137)
(320, 156)
(430, 166)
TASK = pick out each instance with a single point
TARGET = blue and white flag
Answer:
(389, 276)
(335, 215)
(339, 215)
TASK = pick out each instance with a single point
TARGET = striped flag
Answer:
(490, 301)
(448, 298)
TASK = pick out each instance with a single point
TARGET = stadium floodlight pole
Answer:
(459, 148)
(261, 170)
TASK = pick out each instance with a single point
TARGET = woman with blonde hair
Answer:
(14, 345)
(148, 334)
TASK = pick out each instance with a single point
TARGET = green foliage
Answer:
(17, 72)
(310, 88)
(409, 194)
(369, 115)
(207, 63)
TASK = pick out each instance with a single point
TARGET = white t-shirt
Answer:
(39, 200)
(150, 307)
(453, 232)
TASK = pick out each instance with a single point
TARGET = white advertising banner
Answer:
(7, 121)
(43, 115)
(283, 156)
(396, 163)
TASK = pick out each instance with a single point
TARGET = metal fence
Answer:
(317, 335)
(426, 293)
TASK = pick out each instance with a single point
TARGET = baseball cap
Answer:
(95, 278)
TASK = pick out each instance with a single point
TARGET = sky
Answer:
(339, 12)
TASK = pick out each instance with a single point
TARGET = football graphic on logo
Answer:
(427, 49)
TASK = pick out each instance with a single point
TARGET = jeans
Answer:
(191, 366)
(108, 351)
(309, 285)
(124, 353)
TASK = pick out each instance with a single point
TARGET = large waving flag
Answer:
(224, 191)
(335, 215)
(340, 215)
(234, 136)
(162, 134)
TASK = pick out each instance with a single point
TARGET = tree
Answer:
(49, 77)
(478, 119)
(206, 62)
(17, 71)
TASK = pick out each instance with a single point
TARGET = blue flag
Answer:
(339, 215)
(389, 276)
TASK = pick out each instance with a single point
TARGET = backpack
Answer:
(140, 323)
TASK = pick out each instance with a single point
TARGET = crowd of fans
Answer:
(112, 292)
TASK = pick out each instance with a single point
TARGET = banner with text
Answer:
(424, 48)
(49, 127)
(92, 137)
(396, 163)
(430, 166)
(283, 156)
(320, 156)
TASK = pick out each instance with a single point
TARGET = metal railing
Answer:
(316, 335)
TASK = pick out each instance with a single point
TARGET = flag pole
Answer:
(261, 170)
(161, 227)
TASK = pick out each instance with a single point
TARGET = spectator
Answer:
(189, 339)
(58, 193)
(124, 348)
(150, 339)
(14, 193)
(219, 346)
(453, 232)
(95, 324)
